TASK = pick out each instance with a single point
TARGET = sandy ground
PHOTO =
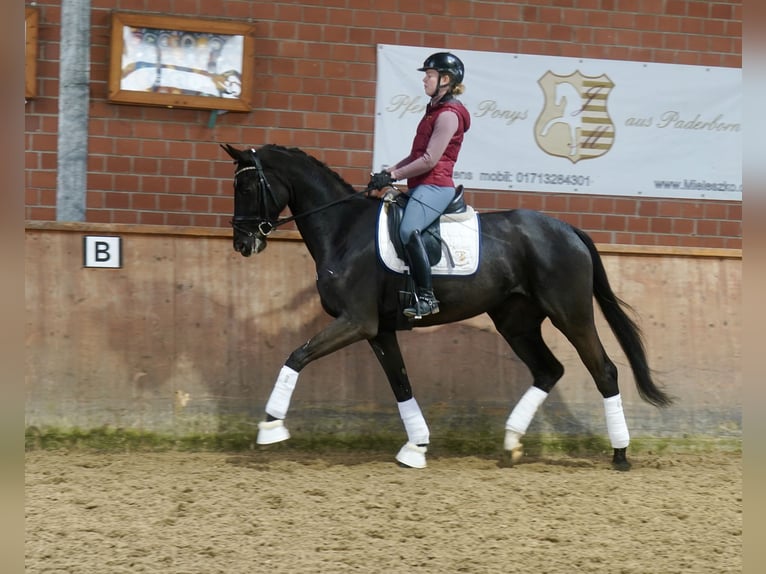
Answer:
(286, 512)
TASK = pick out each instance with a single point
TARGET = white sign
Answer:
(571, 125)
(102, 251)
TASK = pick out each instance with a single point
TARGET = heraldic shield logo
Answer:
(574, 122)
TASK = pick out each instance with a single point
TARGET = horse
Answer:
(533, 266)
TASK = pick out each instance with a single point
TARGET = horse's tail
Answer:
(625, 329)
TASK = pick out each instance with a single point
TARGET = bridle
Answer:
(264, 225)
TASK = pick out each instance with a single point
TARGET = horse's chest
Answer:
(331, 286)
(339, 290)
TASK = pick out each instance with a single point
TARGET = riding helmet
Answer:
(445, 63)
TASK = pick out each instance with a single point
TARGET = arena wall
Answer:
(188, 336)
(315, 79)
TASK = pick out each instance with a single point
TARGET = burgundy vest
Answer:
(441, 174)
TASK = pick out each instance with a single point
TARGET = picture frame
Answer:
(176, 61)
(32, 20)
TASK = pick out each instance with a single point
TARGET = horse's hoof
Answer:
(620, 460)
(412, 456)
(511, 456)
(621, 465)
(270, 432)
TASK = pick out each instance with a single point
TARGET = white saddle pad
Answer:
(460, 231)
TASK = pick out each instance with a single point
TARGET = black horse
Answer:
(532, 267)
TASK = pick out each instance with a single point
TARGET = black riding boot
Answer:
(420, 268)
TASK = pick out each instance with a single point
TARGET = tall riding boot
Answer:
(420, 267)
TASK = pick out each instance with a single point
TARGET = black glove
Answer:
(380, 180)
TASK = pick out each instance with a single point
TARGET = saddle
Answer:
(432, 239)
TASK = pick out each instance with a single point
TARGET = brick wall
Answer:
(315, 88)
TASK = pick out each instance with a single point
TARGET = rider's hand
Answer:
(380, 180)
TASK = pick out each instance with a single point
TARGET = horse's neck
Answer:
(327, 216)
(314, 191)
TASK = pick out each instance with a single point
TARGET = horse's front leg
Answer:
(340, 333)
(386, 349)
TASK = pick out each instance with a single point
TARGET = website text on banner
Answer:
(571, 125)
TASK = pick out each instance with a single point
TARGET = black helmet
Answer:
(445, 63)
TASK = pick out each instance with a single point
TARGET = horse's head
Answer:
(256, 205)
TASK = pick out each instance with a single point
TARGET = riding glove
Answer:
(380, 180)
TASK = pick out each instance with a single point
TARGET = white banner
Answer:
(571, 125)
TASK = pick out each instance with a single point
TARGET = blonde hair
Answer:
(459, 89)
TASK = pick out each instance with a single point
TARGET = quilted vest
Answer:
(441, 174)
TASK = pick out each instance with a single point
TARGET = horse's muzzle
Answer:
(248, 245)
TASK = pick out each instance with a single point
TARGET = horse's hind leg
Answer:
(584, 338)
(527, 342)
(386, 349)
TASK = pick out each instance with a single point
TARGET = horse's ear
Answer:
(235, 154)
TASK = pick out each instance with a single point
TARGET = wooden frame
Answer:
(181, 62)
(30, 52)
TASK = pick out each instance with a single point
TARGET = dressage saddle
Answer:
(432, 239)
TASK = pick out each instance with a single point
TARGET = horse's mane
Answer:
(323, 166)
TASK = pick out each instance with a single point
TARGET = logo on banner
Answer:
(574, 122)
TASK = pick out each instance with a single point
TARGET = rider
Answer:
(428, 169)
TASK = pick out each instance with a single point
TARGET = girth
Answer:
(432, 239)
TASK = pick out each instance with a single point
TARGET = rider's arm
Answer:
(444, 128)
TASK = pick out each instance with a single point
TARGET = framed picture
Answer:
(181, 62)
(30, 52)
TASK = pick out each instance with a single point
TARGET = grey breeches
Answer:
(426, 203)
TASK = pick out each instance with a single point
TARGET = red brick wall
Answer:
(315, 88)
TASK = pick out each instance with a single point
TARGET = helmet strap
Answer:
(437, 95)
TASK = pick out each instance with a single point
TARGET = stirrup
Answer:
(424, 305)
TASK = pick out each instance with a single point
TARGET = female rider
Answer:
(428, 169)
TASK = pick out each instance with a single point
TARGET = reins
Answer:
(266, 226)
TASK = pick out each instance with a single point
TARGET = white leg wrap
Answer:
(615, 422)
(521, 416)
(512, 441)
(279, 401)
(524, 410)
(414, 423)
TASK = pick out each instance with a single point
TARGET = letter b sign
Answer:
(102, 251)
